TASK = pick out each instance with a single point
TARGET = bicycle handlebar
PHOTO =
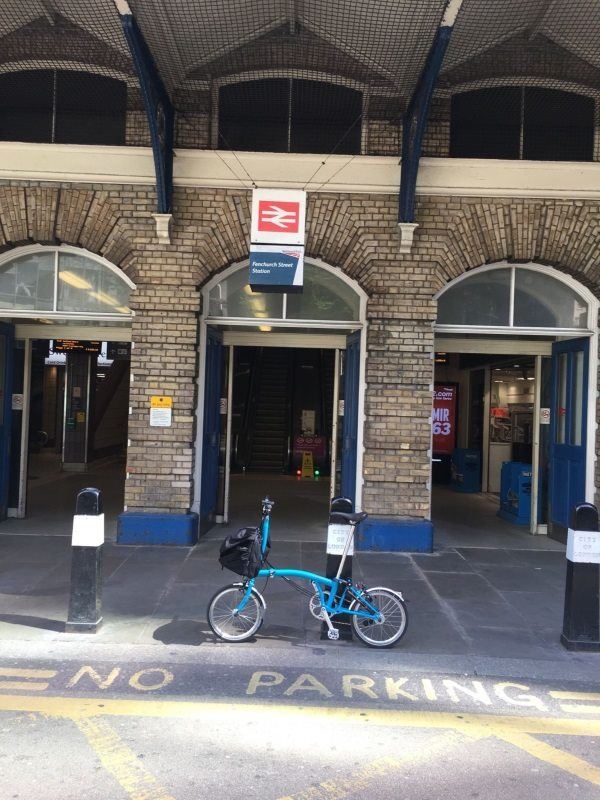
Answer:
(267, 505)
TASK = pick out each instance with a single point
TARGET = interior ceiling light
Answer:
(73, 280)
(107, 299)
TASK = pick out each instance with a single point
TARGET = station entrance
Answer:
(77, 408)
(513, 439)
(64, 380)
(282, 408)
(283, 431)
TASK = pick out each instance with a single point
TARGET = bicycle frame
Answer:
(333, 592)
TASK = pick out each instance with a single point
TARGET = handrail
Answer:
(247, 429)
(322, 424)
(291, 375)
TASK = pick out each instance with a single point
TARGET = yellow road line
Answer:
(387, 766)
(121, 761)
(20, 686)
(579, 709)
(589, 697)
(469, 724)
(575, 696)
(14, 672)
(24, 686)
(551, 755)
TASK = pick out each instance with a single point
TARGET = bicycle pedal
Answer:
(333, 633)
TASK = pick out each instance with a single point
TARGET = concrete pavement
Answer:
(463, 601)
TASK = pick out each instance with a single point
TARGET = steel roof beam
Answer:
(414, 123)
(160, 115)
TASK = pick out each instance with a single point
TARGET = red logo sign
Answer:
(277, 217)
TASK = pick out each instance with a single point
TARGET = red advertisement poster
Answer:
(444, 417)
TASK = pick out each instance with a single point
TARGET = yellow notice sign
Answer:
(161, 411)
(157, 401)
(308, 467)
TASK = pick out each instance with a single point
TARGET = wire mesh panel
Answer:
(520, 78)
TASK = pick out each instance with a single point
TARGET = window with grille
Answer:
(522, 122)
(288, 115)
(62, 106)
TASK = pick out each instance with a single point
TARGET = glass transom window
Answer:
(58, 281)
(512, 297)
(325, 297)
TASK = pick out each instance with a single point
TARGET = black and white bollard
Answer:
(581, 624)
(85, 604)
(336, 538)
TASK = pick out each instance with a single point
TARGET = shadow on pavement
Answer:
(34, 622)
(182, 631)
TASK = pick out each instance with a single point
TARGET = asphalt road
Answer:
(331, 722)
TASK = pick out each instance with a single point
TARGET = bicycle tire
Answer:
(392, 629)
(235, 627)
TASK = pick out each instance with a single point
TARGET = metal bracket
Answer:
(415, 124)
(160, 115)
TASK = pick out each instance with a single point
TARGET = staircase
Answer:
(270, 423)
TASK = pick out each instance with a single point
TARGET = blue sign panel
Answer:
(276, 268)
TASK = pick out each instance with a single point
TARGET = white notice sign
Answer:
(583, 547)
(161, 417)
(544, 416)
(336, 539)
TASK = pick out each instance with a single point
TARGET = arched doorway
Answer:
(293, 341)
(522, 341)
(64, 355)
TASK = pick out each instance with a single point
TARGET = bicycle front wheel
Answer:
(392, 625)
(227, 622)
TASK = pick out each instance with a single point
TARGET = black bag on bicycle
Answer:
(241, 552)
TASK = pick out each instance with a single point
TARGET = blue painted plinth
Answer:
(395, 535)
(138, 528)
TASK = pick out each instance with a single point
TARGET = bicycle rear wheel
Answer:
(229, 624)
(394, 618)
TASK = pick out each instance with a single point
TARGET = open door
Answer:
(209, 487)
(6, 367)
(350, 426)
(570, 367)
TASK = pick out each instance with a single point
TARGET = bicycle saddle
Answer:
(339, 518)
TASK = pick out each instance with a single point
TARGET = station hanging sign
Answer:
(276, 268)
(278, 221)
(445, 405)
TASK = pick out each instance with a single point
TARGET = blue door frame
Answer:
(350, 425)
(209, 482)
(568, 449)
(7, 337)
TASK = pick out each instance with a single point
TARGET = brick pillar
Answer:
(397, 426)
(159, 484)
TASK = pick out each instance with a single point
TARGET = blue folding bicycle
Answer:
(378, 615)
